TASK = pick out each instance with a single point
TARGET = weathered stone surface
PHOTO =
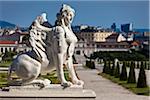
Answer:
(53, 91)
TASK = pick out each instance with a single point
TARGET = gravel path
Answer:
(105, 89)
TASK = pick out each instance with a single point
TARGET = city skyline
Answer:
(94, 13)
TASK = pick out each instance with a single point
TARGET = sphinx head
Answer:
(66, 13)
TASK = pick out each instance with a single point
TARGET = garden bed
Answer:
(132, 87)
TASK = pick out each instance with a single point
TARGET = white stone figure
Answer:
(28, 65)
(44, 17)
(67, 41)
(52, 54)
(36, 38)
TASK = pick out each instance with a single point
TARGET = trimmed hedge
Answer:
(122, 55)
(131, 78)
(112, 71)
(117, 71)
(105, 67)
(142, 78)
(123, 75)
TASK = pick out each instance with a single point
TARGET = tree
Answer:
(113, 26)
(131, 78)
(123, 75)
(117, 70)
(142, 78)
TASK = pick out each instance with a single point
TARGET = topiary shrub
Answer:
(123, 75)
(104, 68)
(117, 70)
(112, 69)
(87, 63)
(127, 63)
(148, 66)
(138, 65)
(131, 78)
(142, 78)
(92, 65)
(108, 68)
(145, 65)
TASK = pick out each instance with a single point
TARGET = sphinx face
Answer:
(68, 18)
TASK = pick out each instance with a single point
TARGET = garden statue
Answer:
(52, 48)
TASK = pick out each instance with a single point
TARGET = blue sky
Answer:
(94, 13)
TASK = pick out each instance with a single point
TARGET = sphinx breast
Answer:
(70, 36)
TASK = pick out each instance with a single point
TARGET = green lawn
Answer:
(3, 79)
(131, 87)
(52, 76)
(5, 63)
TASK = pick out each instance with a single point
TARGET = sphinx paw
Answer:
(66, 84)
(78, 82)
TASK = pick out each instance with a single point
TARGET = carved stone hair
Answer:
(63, 13)
(66, 8)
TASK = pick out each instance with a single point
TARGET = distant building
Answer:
(145, 48)
(112, 38)
(13, 42)
(95, 36)
(121, 38)
(146, 34)
(113, 27)
(6, 46)
(127, 27)
(83, 27)
(142, 38)
(116, 46)
(135, 45)
(78, 28)
(111, 44)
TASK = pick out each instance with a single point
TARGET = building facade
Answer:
(13, 43)
(95, 36)
(87, 48)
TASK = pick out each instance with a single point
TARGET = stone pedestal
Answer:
(53, 92)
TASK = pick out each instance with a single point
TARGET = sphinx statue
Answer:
(52, 48)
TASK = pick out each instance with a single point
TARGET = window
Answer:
(78, 52)
(93, 45)
(97, 46)
(6, 50)
(2, 50)
(9, 49)
(14, 49)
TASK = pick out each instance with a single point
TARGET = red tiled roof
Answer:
(113, 36)
(7, 42)
(135, 43)
(24, 33)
